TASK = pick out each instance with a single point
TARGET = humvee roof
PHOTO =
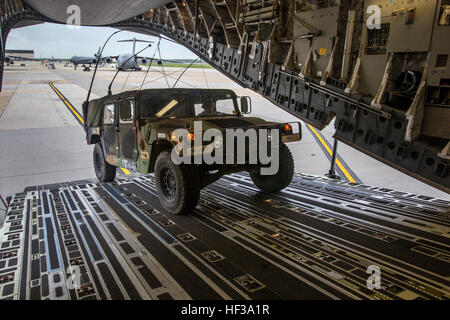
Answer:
(136, 93)
(95, 110)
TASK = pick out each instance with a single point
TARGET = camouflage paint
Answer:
(140, 138)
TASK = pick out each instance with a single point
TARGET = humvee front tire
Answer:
(280, 180)
(178, 186)
(103, 170)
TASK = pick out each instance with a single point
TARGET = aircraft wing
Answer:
(53, 59)
(22, 58)
(163, 60)
(103, 59)
(175, 61)
(35, 59)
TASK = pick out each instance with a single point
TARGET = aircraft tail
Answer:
(98, 52)
(134, 40)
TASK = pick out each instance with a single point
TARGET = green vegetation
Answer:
(181, 65)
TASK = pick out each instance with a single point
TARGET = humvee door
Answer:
(127, 131)
(110, 132)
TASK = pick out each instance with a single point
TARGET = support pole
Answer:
(195, 19)
(1, 70)
(2, 56)
(332, 173)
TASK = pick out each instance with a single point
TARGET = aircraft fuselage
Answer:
(126, 62)
(76, 60)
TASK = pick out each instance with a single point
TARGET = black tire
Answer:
(178, 186)
(103, 170)
(280, 180)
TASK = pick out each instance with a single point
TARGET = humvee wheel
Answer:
(280, 180)
(103, 170)
(178, 186)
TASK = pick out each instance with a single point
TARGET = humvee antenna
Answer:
(118, 70)
(162, 67)
(204, 74)
(150, 64)
(98, 61)
(184, 71)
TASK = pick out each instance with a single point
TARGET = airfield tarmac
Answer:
(41, 141)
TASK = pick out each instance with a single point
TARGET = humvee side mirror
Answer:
(246, 105)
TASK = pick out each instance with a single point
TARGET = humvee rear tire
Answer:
(280, 180)
(103, 170)
(178, 186)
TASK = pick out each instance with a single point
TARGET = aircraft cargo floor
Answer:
(314, 240)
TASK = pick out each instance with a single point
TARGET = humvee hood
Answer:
(229, 122)
(235, 122)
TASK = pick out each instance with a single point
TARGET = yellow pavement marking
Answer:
(346, 173)
(127, 172)
(67, 103)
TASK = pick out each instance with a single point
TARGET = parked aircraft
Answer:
(85, 61)
(126, 61)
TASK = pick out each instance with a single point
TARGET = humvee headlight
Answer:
(173, 137)
(191, 137)
(287, 127)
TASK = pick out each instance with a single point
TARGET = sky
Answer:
(59, 41)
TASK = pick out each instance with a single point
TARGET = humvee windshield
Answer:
(165, 106)
(188, 106)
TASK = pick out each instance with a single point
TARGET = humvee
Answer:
(134, 130)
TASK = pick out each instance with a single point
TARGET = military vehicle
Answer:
(135, 130)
